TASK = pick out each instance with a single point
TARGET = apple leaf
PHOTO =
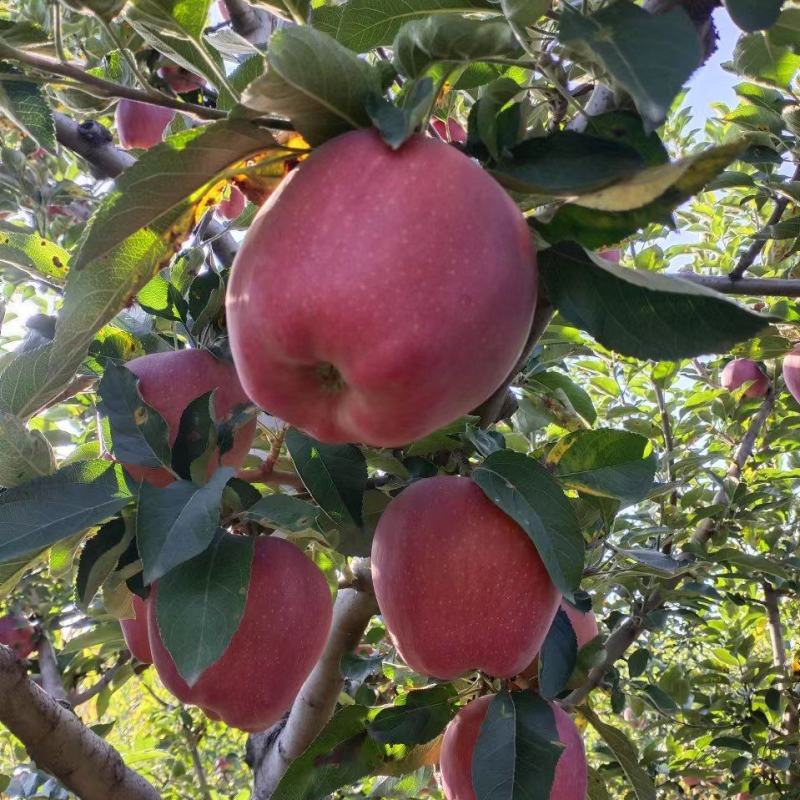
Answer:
(557, 657)
(177, 522)
(362, 25)
(283, 512)
(99, 557)
(451, 40)
(24, 455)
(200, 603)
(138, 432)
(24, 103)
(527, 492)
(196, 442)
(182, 18)
(38, 257)
(525, 12)
(642, 314)
(609, 463)
(397, 123)
(564, 388)
(416, 717)
(786, 31)
(758, 57)
(754, 15)
(650, 55)
(517, 750)
(45, 511)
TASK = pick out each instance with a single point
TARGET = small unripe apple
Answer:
(460, 585)
(450, 131)
(281, 635)
(141, 125)
(743, 370)
(233, 205)
(380, 294)
(461, 736)
(18, 634)
(180, 80)
(791, 372)
(168, 382)
(134, 631)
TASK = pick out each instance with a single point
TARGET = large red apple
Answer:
(141, 125)
(570, 780)
(168, 382)
(459, 584)
(584, 625)
(741, 371)
(134, 631)
(791, 372)
(284, 627)
(380, 294)
(18, 634)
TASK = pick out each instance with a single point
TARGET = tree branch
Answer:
(725, 284)
(49, 671)
(78, 698)
(271, 752)
(59, 742)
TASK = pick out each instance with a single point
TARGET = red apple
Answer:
(451, 131)
(584, 625)
(180, 80)
(743, 370)
(461, 736)
(381, 294)
(280, 637)
(141, 125)
(791, 372)
(222, 10)
(459, 584)
(613, 255)
(18, 634)
(233, 206)
(134, 631)
(170, 381)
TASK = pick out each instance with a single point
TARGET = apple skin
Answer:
(134, 631)
(168, 382)
(451, 131)
(283, 630)
(570, 780)
(180, 80)
(141, 125)
(791, 372)
(459, 584)
(18, 634)
(584, 625)
(381, 294)
(233, 206)
(743, 370)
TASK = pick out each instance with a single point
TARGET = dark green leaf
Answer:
(358, 668)
(24, 103)
(99, 558)
(397, 124)
(637, 662)
(525, 12)
(24, 454)
(283, 512)
(417, 716)
(196, 441)
(557, 383)
(557, 657)
(659, 698)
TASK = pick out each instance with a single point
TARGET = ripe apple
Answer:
(180, 80)
(141, 125)
(284, 627)
(170, 381)
(18, 634)
(743, 370)
(134, 631)
(233, 206)
(461, 736)
(381, 294)
(584, 625)
(450, 131)
(459, 584)
(791, 372)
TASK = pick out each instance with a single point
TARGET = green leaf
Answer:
(200, 603)
(659, 698)
(525, 12)
(24, 103)
(176, 15)
(141, 195)
(397, 124)
(642, 314)
(24, 455)
(497, 119)
(321, 86)
(650, 55)
(358, 668)
(282, 512)
(656, 561)
(34, 255)
(362, 25)
(565, 164)
(138, 432)
(451, 40)
(626, 756)
(557, 383)
(517, 750)
(609, 463)
(196, 442)
(786, 31)
(340, 755)
(50, 509)
(525, 490)
(596, 789)
(99, 558)
(760, 58)
(13, 570)
(178, 522)
(637, 662)
(334, 474)
(558, 656)
(416, 717)
(754, 15)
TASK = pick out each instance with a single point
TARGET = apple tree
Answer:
(398, 399)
